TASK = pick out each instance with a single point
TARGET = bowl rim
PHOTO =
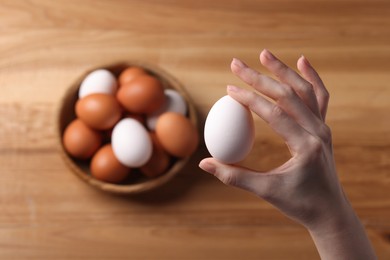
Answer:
(168, 82)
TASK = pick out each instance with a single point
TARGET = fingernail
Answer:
(269, 55)
(232, 88)
(238, 63)
(208, 167)
(307, 63)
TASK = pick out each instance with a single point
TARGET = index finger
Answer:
(292, 133)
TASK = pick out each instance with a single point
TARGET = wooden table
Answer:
(46, 212)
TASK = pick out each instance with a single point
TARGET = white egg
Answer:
(229, 131)
(98, 81)
(131, 143)
(174, 102)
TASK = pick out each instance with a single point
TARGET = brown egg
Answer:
(106, 167)
(177, 134)
(99, 111)
(159, 161)
(143, 95)
(80, 141)
(129, 74)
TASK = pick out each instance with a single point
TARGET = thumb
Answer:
(232, 175)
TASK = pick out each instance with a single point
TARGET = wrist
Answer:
(334, 220)
(342, 236)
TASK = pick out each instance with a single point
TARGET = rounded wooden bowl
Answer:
(66, 114)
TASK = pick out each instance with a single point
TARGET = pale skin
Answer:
(306, 188)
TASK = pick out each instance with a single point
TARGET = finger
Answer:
(265, 185)
(260, 82)
(303, 88)
(292, 133)
(284, 95)
(320, 91)
(232, 175)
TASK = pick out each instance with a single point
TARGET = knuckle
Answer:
(314, 146)
(326, 132)
(256, 79)
(306, 89)
(286, 93)
(252, 100)
(281, 69)
(277, 112)
(325, 95)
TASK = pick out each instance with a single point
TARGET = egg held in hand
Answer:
(229, 131)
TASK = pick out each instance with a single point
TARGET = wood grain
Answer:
(48, 213)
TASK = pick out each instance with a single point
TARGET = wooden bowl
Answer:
(138, 183)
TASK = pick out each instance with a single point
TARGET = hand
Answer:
(306, 187)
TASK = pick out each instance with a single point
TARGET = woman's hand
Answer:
(306, 187)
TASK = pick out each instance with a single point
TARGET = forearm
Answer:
(343, 238)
